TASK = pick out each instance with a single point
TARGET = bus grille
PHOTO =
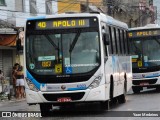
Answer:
(138, 82)
(73, 96)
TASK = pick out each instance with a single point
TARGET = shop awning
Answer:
(8, 39)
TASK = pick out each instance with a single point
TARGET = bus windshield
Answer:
(63, 52)
(146, 50)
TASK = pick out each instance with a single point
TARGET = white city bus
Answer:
(145, 50)
(73, 58)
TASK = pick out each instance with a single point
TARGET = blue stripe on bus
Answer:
(36, 18)
(37, 84)
(152, 76)
(73, 89)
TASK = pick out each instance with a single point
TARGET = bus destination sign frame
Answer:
(144, 33)
(62, 24)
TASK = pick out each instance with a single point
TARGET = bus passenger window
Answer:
(113, 41)
(125, 42)
(117, 42)
(110, 41)
(122, 41)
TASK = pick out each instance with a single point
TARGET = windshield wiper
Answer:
(157, 41)
(50, 40)
(74, 41)
(137, 51)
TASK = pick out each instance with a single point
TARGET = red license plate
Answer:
(142, 84)
(65, 99)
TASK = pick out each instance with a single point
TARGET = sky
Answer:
(157, 3)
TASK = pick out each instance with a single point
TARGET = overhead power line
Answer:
(69, 1)
(21, 16)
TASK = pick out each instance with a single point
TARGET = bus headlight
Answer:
(31, 85)
(96, 82)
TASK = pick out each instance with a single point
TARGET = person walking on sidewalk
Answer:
(19, 83)
(14, 70)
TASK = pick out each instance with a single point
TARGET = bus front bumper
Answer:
(146, 82)
(88, 95)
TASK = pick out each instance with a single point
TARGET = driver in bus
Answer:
(91, 45)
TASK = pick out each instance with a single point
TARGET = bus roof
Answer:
(148, 26)
(105, 18)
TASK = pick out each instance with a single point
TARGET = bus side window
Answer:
(118, 41)
(122, 41)
(110, 41)
(105, 31)
(114, 41)
(125, 42)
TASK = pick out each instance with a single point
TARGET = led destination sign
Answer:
(62, 24)
(144, 33)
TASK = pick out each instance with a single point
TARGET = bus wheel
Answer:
(122, 98)
(45, 109)
(158, 88)
(111, 89)
(136, 90)
(104, 105)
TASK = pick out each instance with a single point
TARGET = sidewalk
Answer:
(4, 96)
(4, 99)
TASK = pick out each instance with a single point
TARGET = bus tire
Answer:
(122, 98)
(104, 105)
(111, 88)
(45, 109)
(158, 88)
(136, 90)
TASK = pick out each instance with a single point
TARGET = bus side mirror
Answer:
(106, 39)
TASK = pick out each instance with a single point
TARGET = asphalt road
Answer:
(145, 102)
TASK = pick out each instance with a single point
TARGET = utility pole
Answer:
(87, 4)
(109, 5)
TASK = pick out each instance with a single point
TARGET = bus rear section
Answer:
(66, 63)
(145, 48)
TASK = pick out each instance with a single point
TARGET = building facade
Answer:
(137, 12)
(7, 38)
(13, 17)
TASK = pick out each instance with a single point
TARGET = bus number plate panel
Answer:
(144, 83)
(65, 99)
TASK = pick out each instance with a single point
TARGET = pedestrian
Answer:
(1, 75)
(2, 79)
(14, 70)
(20, 83)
